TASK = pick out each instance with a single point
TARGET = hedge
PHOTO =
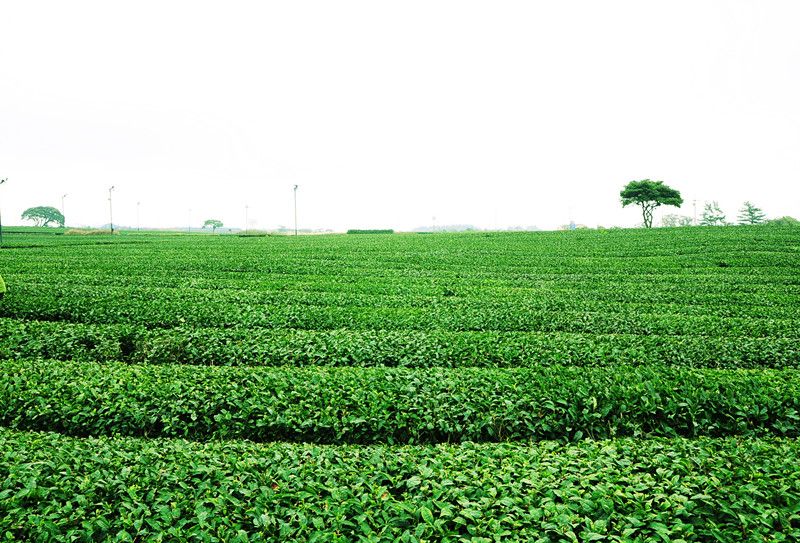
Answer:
(54, 488)
(395, 405)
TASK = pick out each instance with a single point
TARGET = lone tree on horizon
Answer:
(43, 215)
(649, 195)
(213, 224)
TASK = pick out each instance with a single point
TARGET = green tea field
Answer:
(590, 385)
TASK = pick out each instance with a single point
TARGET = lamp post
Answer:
(63, 213)
(110, 210)
(295, 209)
(1, 218)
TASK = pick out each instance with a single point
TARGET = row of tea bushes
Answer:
(171, 308)
(55, 488)
(406, 348)
(395, 405)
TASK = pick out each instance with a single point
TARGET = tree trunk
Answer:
(647, 216)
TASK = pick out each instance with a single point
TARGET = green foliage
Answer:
(712, 215)
(370, 231)
(213, 224)
(395, 405)
(54, 488)
(497, 338)
(750, 214)
(649, 195)
(673, 220)
(395, 348)
(43, 216)
(784, 221)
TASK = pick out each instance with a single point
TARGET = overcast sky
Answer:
(388, 114)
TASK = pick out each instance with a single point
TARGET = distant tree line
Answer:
(649, 195)
(646, 194)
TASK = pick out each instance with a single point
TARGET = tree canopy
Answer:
(649, 195)
(213, 224)
(43, 216)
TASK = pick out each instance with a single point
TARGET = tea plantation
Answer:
(610, 385)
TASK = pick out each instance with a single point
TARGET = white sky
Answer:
(388, 114)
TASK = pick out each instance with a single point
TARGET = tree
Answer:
(712, 215)
(676, 220)
(649, 195)
(213, 224)
(750, 214)
(784, 221)
(43, 216)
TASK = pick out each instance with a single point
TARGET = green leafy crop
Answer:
(395, 405)
(609, 385)
(54, 488)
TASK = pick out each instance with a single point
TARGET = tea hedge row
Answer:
(35, 294)
(54, 488)
(417, 286)
(407, 348)
(173, 308)
(395, 405)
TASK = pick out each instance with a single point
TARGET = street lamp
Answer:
(63, 213)
(295, 209)
(1, 218)
(110, 209)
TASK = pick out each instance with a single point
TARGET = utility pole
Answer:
(63, 213)
(110, 210)
(1, 218)
(295, 209)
